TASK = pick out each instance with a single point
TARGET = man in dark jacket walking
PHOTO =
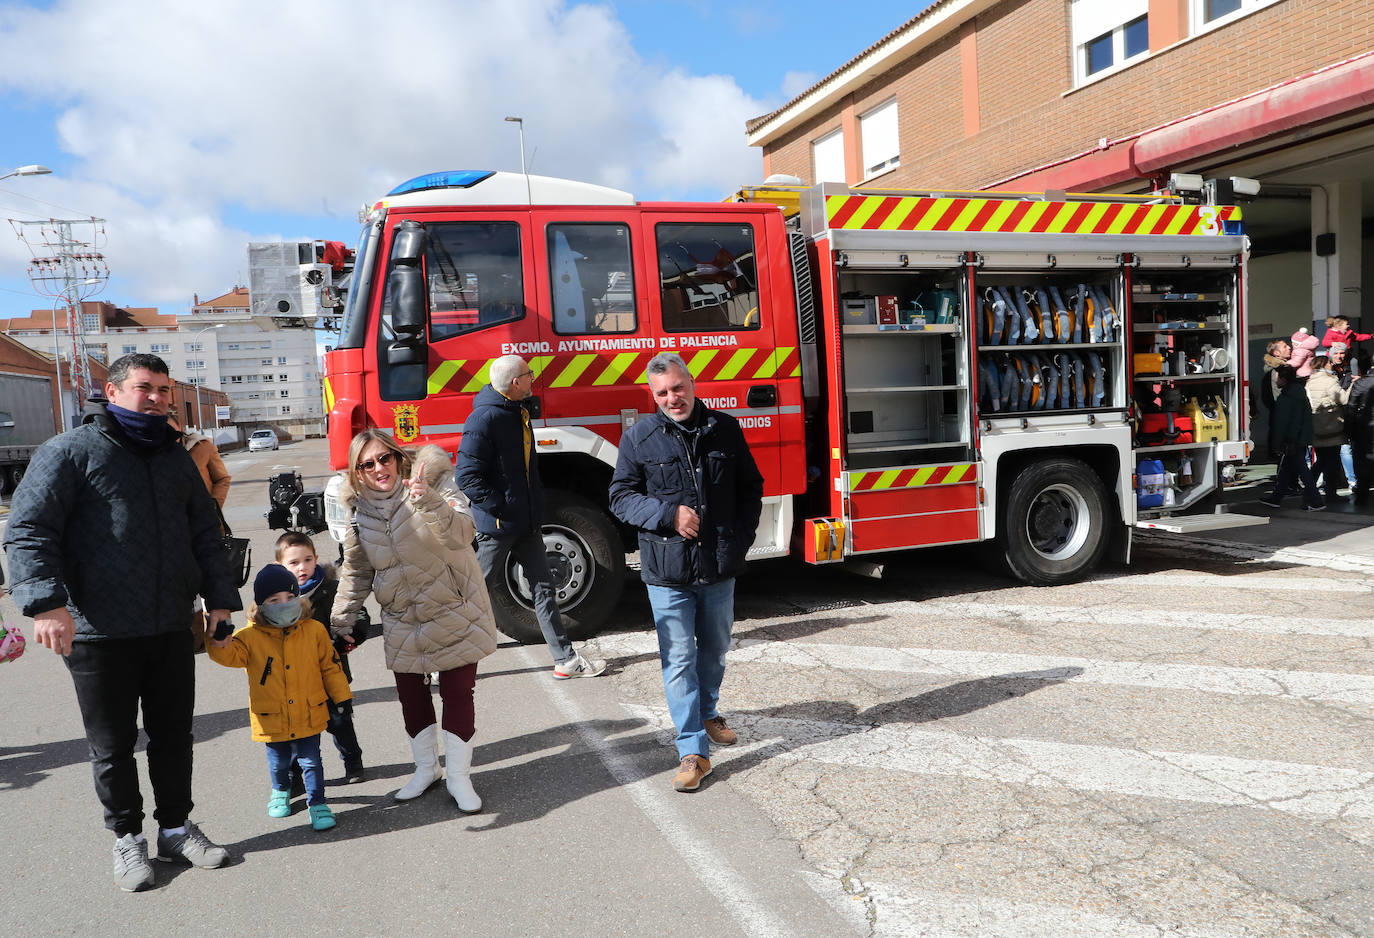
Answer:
(498, 470)
(686, 479)
(111, 536)
(1292, 437)
(1359, 422)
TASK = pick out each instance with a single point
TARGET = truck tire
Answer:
(1053, 527)
(10, 477)
(587, 560)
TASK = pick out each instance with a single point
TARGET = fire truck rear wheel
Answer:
(1054, 529)
(588, 566)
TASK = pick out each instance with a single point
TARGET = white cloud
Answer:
(180, 113)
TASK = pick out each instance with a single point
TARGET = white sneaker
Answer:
(577, 666)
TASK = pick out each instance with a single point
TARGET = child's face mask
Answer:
(282, 615)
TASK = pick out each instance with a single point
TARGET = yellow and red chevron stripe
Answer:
(591, 370)
(1020, 216)
(876, 480)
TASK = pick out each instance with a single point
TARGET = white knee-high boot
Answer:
(425, 747)
(458, 764)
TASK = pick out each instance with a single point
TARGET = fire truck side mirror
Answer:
(407, 300)
(406, 353)
(407, 280)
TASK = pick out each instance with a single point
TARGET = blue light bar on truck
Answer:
(455, 179)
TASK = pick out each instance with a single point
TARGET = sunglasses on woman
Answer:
(367, 465)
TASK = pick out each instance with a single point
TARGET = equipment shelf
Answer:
(1172, 447)
(1193, 379)
(1211, 323)
(897, 445)
(940, 328)
(1104, 347)
(908, 389)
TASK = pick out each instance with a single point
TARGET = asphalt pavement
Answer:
(580, 831)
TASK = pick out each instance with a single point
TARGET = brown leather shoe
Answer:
(720, 734)
(690, 772)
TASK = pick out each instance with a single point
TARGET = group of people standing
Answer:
(119, 502)
(1321, 415)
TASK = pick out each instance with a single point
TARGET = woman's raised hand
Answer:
(417, 484)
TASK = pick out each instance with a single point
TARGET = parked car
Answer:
(262, 439)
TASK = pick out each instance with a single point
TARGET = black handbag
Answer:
(238, 551)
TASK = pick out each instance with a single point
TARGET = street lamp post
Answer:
(200, 367)
(33, 169)
(520, 122)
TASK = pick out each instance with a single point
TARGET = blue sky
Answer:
(195, 128)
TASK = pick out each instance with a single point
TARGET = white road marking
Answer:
(1290, 787)
(1251, 582)
(1260, 682)
(730, 888)
(1137, 619)
(901, 911)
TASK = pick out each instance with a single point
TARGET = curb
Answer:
(1294, 555)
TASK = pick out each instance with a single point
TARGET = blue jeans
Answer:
(528, 550)
(307, 753)
(693, 636)
(1348, 464)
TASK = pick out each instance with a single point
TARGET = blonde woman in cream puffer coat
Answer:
(409, 543)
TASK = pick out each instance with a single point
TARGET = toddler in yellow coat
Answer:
(293, 674)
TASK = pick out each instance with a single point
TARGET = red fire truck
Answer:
(1042, 372)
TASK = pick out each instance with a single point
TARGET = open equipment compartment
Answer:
(905, 366)
(1049, 341)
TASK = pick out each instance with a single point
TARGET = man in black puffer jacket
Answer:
(111, 536)
(686, 479)
(498, 470)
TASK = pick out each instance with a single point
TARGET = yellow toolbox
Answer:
(1209, 419)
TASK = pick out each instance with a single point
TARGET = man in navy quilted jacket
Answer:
(111, 536)
(686, 479)
(498, 470)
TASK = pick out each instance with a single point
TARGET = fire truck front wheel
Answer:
(1054, 529)
(587, 564)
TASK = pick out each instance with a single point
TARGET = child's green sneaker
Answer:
(279, 804)
(321, 818)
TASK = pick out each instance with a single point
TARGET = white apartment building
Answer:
(271, 374)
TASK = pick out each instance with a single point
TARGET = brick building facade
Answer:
(988, 92)
(1115, 96)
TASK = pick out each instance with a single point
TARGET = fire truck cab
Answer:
(910, 369)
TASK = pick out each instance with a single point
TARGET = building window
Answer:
(90, 322)
(194, 347)
(1108, 36)
(283, 378)
(128, 349)
(267, 361)
(286, 409)
(160, 348)
(232, 347)
(878, 135)
(827, 157)
(236, 379)
(284, 393)
(1209, 13)
(281, 359)
(268, 379)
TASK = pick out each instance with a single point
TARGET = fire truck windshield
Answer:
(353, 329)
